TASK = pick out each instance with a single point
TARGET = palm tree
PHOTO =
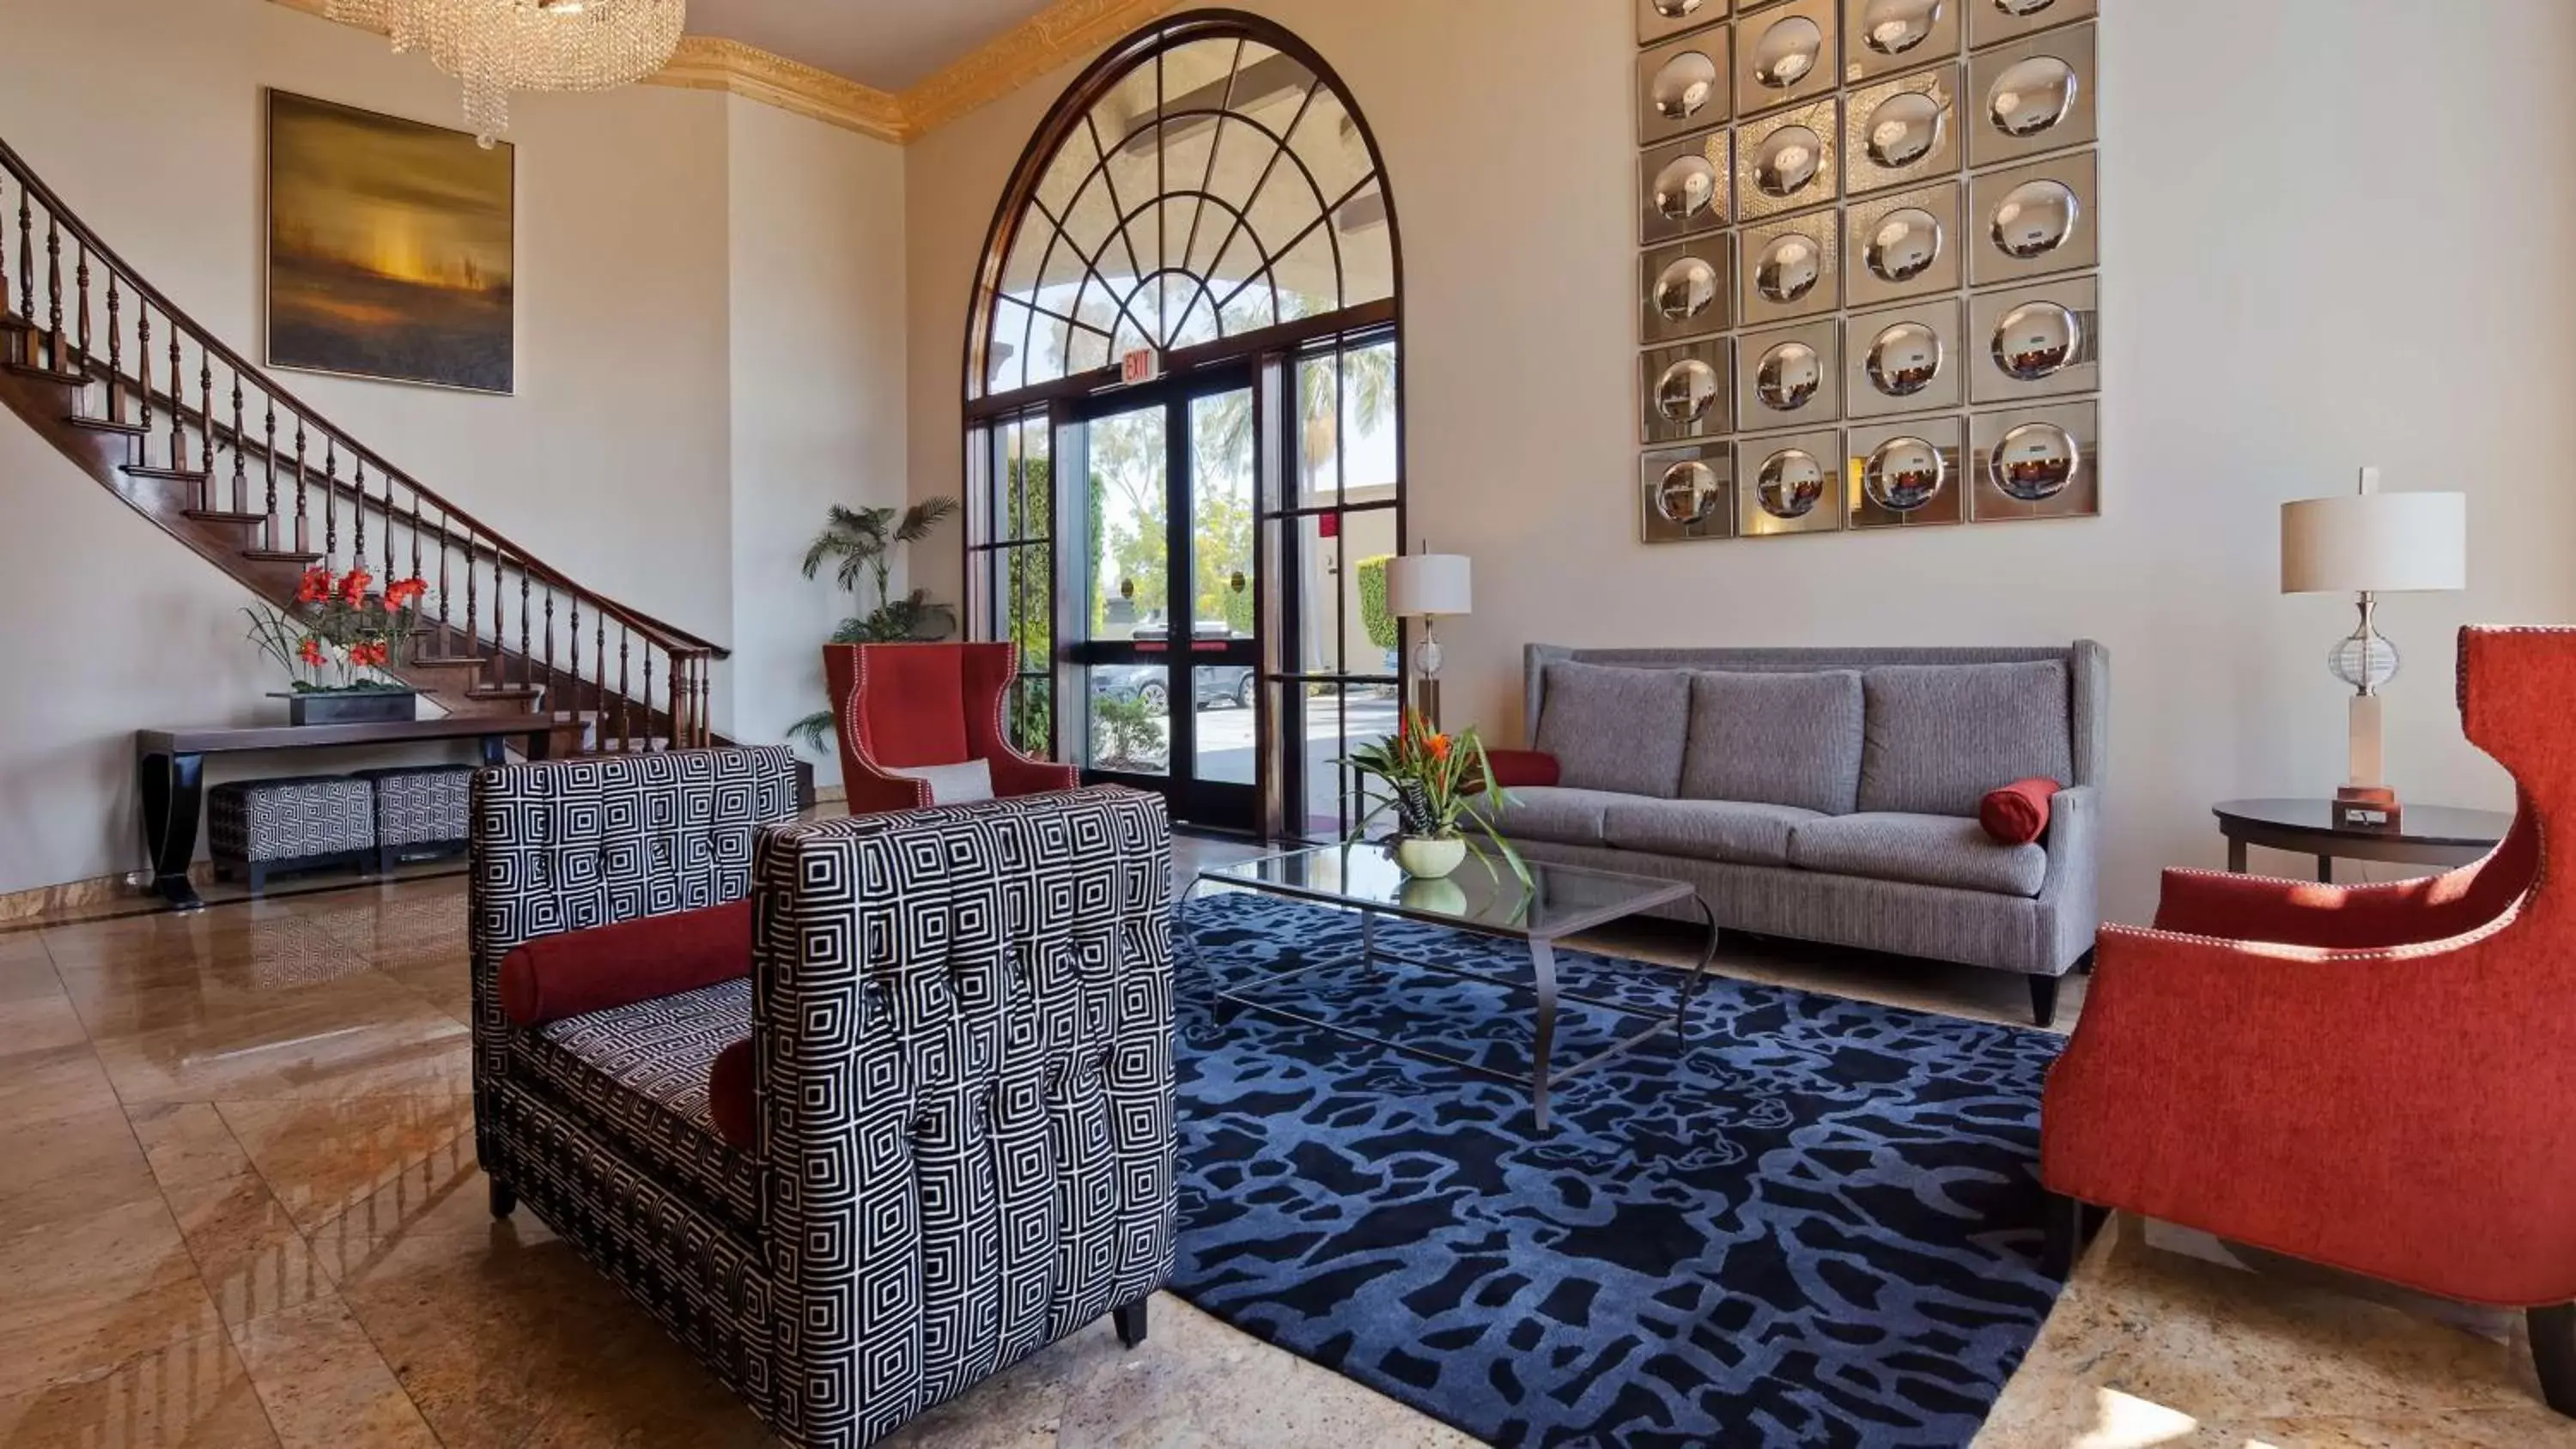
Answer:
(863, 540)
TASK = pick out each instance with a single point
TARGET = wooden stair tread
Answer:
(447, 661)
(279, 555)
(174, 475)
(503, 691)
(107, 425)
(50, 374)
(220, 515)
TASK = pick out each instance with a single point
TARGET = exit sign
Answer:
(1142, 365)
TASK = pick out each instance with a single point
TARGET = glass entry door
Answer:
(1167, 659)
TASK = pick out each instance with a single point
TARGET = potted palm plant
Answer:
(860, 543)
(1442, 791)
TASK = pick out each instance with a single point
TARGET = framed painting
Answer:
(390, 248)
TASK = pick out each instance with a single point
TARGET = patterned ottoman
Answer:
(254, 827)
(420, 812)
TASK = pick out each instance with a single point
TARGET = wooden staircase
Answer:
(223, 459)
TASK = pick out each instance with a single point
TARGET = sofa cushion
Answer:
(1936, 850)
(1555, 814)
(1778, 739)
(967, 784)
(1620, 730)
(574, 973)
(1742, 832)
(640, 1073)
(1938, 737)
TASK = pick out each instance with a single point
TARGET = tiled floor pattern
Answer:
(239, 1207)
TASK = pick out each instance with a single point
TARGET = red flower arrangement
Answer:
(340, 636)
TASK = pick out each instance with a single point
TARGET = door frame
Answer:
(1215, 805)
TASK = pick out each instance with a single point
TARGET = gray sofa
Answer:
(1831, 794)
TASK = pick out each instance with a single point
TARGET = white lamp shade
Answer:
(2375, 543)
(1421, 584)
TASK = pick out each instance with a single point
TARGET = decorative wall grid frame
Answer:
(1869, 294)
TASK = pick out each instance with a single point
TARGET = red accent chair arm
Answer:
(2398, 1113)
(2353, 918)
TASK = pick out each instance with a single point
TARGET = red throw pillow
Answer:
(730, 1096)
(577, 972)
(1522, 769)
(2017, 814)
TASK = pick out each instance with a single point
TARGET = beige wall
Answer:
(2358, 257)
(680, 413)
(818, 386)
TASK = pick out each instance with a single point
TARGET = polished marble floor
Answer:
(239, 1207)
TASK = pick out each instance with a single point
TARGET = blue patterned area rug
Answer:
(1816, 1223)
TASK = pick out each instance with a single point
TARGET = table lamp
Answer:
(2370, 543)
(1426, 586)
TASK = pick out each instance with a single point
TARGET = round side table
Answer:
(2427, 835)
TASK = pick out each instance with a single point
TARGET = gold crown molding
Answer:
(1066, 31)
(705, 63)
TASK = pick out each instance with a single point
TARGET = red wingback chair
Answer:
(904, 706)
(2377, 1078)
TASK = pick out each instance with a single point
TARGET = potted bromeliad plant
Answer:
(1442, 791)
(339, 645)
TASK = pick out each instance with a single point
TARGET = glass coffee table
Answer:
(1559, 901)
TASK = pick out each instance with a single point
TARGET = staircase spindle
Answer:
(549, 700)
(644, 676)
(625, 695)
(500, 639)
(205, 426)
(54, 290)
(527, 656)
(358, 520)
(81, 276)
(389, 518)
(268, 530)
(115, 351)
(303, 516)
(446, 635)
(26, 261)
(330, 500)
(4, 244)
(572, 633)
(241, 481)
(599, 685)
(178, 390)
(415, 522)
(473, 636)
(142, 364)
(679, 698)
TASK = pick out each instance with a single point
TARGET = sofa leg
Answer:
(2043, 1000)
(1131, 1322)
(2068, 1225)
(504, 1200)
(2553, 1353)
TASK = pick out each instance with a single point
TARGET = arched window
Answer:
(1205, 182)
(1199, 542)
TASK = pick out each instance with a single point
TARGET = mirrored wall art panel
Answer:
(1882, 37)
(1790, 269)
(1790, 483)
(1683, 86)
(1786, 162)
(2041, 462)
(1685, 494)
(1687, 392)
(1682, 187)
(1905, 475)
(1785, 55)
(2032, 96)
(2038, 341)
(1902, 245)
(1992, 22)
(1901, 132)
(2033, 220)
(1789, 378)
(1903, 360)
(1659, 20)
(1687, 290)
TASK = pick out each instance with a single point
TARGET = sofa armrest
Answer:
(2070, 894)
(1015, 773)
(871, 791)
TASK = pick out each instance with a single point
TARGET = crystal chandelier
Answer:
(499, 46)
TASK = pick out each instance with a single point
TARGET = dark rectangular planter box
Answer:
(377, 706)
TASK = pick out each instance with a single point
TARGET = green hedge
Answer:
(1373, 610)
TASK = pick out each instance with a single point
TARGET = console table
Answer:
(170, 764)
(2427, 834)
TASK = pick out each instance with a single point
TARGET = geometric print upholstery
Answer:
(251, 821)
(639, 1073)
(420, 804)
(962, 1032)
(965, 1064)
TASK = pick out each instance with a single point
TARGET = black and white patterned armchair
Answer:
(962, 1029)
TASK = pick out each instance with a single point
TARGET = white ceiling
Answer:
(889, 44)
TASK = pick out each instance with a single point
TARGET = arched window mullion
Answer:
(1269, 261)
(1303, 232)
(1090, 261)
(1243, 218)
(1216, 144)
(1102, 174)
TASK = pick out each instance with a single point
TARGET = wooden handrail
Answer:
(668, 636)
